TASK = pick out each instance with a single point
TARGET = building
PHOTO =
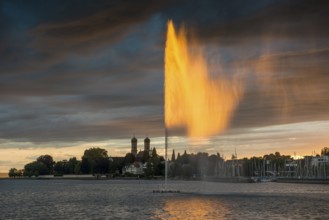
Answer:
(141, 157)
(134, 146)
(147, 143)
(320, 160)
(136, 168)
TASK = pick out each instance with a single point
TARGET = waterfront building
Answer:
(320, 160)
(147, 142)
(136, 168)
(134, 146)
(140, 157)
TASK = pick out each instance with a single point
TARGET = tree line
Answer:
(202, 165)
(94, 161)
(97, 161)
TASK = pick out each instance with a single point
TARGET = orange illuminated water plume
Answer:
(193, 100)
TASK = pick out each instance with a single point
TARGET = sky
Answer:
(81, 74)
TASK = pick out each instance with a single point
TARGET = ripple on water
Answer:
(82, 199)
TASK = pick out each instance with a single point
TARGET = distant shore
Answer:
(4, 175)
(79, 177)
(304, 180)
(208, 179)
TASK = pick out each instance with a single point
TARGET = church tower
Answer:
(147, 142)
(134, 146)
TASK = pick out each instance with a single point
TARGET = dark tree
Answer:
(95, 160)
(35, 169)
(185, 159)
(212, 165)
(146, 156)
(13, 172)
(102, 165)
(129, 159)
(154, 153)
(116, 165)
(85, 166)
(325, 151)
(48, 161)
(149, 171)
(77, 168)
(73, 166)
(187, 171)
(173, 158)
(59, 168)
(67, 167)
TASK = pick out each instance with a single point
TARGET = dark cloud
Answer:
(297, 20)
(84, 126)
(43, 44)
(286, 88)
(91, 71)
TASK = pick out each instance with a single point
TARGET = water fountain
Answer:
(193, 100)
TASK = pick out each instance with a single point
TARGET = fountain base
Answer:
(166, 191)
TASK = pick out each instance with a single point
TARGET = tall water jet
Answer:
(193, 100)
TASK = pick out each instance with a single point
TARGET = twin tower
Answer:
(147, 142)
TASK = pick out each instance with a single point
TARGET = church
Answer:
(134, 140)
(137, 167)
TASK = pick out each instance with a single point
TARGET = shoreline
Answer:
(304, 180)
(208, 179)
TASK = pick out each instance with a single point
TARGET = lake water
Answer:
(133, 199)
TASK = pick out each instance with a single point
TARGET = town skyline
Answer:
(148, 163)
(226, 153)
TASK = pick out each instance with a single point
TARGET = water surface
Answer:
(133, 199)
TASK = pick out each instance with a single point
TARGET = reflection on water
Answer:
(193, 208)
